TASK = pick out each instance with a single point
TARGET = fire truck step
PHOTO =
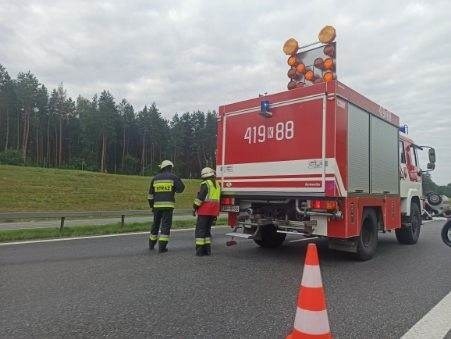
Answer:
(303, 239)
(295, 233)
(240, 235)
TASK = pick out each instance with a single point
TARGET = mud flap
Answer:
(345, 245)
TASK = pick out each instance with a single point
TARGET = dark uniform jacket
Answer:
(162, 190)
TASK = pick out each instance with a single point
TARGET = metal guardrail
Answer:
(62, 215)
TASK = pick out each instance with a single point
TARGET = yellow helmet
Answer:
(207, 172)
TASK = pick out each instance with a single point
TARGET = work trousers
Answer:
(203, 229)
(162, 218)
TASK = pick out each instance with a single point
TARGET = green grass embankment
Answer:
(43, 189)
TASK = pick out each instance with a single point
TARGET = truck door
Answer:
(412, 163)
(403, 171)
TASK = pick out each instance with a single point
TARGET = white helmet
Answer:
(207, 172)
(166, 163)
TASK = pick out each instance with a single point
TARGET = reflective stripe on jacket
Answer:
(208, 203)
(163, 188)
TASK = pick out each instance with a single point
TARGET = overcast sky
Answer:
(189, 55)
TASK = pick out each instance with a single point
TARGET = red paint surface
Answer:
(390, 207)
(305, 144)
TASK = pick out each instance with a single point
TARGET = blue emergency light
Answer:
(404, 129)
(264, 109)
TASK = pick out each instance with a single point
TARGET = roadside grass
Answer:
(78, 231)
(43, 189)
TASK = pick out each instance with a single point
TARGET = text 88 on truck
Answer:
(320, 161)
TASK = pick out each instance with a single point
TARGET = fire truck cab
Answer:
(411, 191)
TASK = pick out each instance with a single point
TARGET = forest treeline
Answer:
(47, 128)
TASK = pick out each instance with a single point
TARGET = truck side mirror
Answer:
(431, 153)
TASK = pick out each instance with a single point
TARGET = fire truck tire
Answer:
(367, 241)
(269, 238)
(409, 235)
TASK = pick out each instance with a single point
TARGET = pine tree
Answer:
(26, 89)
(107, 116)
(127, 114)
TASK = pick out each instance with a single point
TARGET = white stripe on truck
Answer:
(279, 169)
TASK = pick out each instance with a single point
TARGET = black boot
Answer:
(162, 247)
(199, 250)
(207, 249)
(152, 244)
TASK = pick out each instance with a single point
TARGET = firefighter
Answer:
(161, 199)
(206, 206)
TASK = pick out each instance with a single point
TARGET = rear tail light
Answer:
(232, 219)
(324, 205)
(227, 201)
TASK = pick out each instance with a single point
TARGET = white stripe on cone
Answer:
(311, 322)
(311, 276)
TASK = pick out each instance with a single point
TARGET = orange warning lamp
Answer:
(292, 85)
(290, 47)
(309, 75)
(329, 63)
(329, 50)
(292, 73)
(300, 68)
(292, 61)
(327, 35)
(328, 76)
(319, 63)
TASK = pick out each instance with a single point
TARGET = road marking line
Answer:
(25, 242)
(435, 324)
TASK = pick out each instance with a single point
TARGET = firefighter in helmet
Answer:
(206, 206)
(161, 199)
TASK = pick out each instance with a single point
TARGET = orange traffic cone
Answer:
(311, 319)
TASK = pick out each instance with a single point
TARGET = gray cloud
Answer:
(189, 55)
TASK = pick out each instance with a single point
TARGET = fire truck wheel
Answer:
(269, 238)
(409, 235)
(367, 241)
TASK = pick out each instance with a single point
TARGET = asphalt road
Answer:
(116, 287)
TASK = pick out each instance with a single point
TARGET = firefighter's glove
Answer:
(214, 221)
(194, 212)
(150, 204)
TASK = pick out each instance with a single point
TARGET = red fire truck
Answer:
(318, 161)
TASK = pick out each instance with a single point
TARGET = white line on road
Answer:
(92, 237)
(435, 324)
